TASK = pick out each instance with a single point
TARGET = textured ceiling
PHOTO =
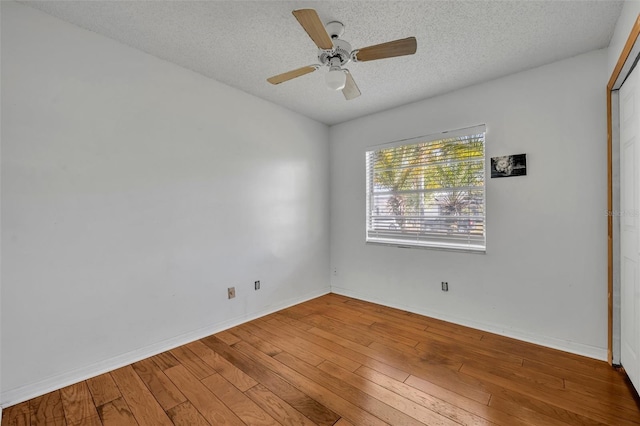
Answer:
(241, 43)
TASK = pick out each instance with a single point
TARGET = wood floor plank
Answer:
(333, 401)
(61, 421)
(481, 409)
(431, 414)
(439, 373)
(448, 328)
(338, 361)
(186, 414)
(337, 297)
(211, 408)
(159, 384)
(517, 373)
(292, 322)
(558, 408)
(301, 401)
(248, 411)
(17, 415)
(359, 332)
(165, 360)
(77, 403)
(298, 311)
(444, 377)
(402, 322)
(144, 407)
(243, 333)
(90, 421)
(519, 398)
(227, 337)
(610, 381)
(453, 357)
(546, 355)
(340, 312)
(46, 409)
(343, 422)
(608, 395)
(455, 407)
(366, 323)
(347, 392)
(419, 321)
(593, 408)
(336, 327)
(473, 348)
(291, 344)
(415, 357)
(331, 345)
(277, 408)
(305, 345)
(453, 332)
(103, 389)
(388, 314)
(116, 413)
(234, 375)
(192, 362)
(539, 417)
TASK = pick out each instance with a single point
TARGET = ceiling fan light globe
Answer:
(336, 79)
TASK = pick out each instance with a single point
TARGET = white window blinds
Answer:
(428, 192)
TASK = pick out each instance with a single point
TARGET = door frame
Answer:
(627, 59)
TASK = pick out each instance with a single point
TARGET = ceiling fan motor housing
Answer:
(341, 50)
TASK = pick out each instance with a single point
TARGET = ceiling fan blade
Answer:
(405, 46)
(312, 24)
(289, 75)
(350, 90)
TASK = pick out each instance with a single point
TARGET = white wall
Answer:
(134, 192)
(628, 17)
(543, 278)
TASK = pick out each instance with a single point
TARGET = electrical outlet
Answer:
(445, 286)
(231, 292)
(256, 285)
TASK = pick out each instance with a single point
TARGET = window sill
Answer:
(449, 247)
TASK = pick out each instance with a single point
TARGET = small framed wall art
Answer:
(509, 165)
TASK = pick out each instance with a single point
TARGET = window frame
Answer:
(425, 244)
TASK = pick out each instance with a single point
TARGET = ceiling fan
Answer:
(335, 52)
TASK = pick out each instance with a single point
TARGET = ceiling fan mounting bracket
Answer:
(335, 29)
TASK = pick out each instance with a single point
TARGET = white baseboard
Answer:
(33, 390)
(551, 342)
(26, 392)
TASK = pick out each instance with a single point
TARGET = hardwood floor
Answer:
(340, 361)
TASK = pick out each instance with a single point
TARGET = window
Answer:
(428, 191)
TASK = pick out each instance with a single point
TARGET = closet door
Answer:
(629, 226)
